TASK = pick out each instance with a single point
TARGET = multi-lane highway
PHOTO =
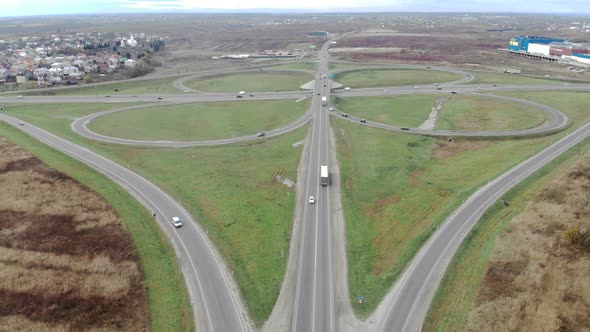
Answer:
(214, 294)
(313, 309)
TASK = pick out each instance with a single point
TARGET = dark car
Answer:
(454, 92)
(239, 96)
(251, 95)
(159, 98)
(439, 88)
(405, 128)
(364, 121)
(345, 115)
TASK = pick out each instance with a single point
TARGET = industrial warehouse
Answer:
(553, 49)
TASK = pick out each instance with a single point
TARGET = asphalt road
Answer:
(215, 303)
(407, 305)
(313, 309)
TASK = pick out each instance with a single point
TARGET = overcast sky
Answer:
(50, 7)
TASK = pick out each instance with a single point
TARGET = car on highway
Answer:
(363, 121)
(435, 84)
(107, 96)
(454, 92)
(405, 128)
(239, 96)
(311, 200)
(261, 134)
(416, 87)
(176, 222)
(160, 98)
(19, 97)
(347, 88)
(345, 115)
(251, 95)
(439, 88)
(21, 124)
(331, 109)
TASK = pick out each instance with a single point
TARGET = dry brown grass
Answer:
(537, 278)
(66, 262)
(446, 149)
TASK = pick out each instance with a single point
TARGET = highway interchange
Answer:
(214, 293)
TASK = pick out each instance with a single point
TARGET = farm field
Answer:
(252, 82)
(97, 267)
(200, 121)
(497, 265)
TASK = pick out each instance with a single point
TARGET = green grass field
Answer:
(405, 111)
(482, 77)
(456, 295)
(295, 65)
(252, 82)
(393, 77)
(200, 121)
(345, 65)
(474, 113)
(169, 304)
(233, 193)
(160, 85)
(459, 112)
(410, 184)
(230, 190)
(57, 117)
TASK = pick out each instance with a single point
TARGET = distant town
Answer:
(66, 59)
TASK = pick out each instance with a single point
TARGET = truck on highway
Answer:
(324, 175)
(324, 100)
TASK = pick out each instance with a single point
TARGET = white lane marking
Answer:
(315, 262)
(300, 99)
(298, 289)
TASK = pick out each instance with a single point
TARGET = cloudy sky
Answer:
(47, 7)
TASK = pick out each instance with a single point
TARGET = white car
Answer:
(176, 222)
(311, 200)
(347, 88)
(19, 97)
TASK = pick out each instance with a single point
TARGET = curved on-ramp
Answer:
(80, 126)
(556, 121)
(214, 294)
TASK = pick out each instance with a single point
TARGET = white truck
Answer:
(324, 101)
(324, 175)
